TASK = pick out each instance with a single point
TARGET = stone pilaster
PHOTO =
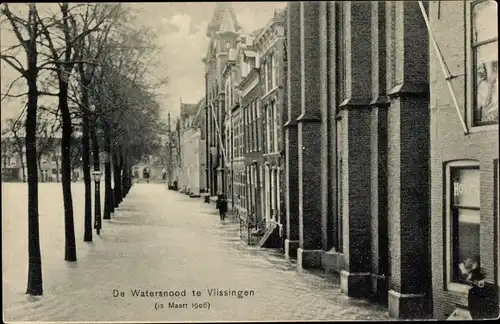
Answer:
(327, 51)
(291, 135)
(408, 168)
(309, 126)
(379, 105)
(355, 280)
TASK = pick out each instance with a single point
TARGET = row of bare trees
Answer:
(97, 61)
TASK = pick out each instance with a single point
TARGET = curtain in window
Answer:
(485, 62)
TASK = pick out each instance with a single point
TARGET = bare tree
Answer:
(91, 49)
(27, 33)
(68, 29)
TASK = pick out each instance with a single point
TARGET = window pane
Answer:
(465, 187)
(486, 87)
(466, 244)
(484, 15)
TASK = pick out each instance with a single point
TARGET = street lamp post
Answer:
(96, 174)
(97, 204)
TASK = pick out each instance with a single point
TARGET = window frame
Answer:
(451, 285)
(259, 127)
(471, 71)
(274, 77)
(275, 126)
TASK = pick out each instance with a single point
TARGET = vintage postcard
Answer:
(250, 161)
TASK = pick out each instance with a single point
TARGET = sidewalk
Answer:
(160, 240)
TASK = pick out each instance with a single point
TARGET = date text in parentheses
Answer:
(201, 305)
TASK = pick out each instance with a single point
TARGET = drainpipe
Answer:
(443, 68)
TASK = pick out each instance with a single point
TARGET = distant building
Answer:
(14, 167)
(192, 175)
(270, 47)
(223, 31)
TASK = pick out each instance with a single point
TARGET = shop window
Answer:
(463, 221)
(485, 63)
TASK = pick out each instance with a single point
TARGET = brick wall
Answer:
(448, 142)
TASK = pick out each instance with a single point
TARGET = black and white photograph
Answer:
(171, 162)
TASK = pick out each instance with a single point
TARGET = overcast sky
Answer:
(182, 33)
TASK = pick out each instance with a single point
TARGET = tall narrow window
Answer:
(275, 127)
(274, 71)
(254, 110)
(266, 75)
(485, 63)
(259, 128)
(463, 215)
(270, 74)
(266, 110)
(247, 135)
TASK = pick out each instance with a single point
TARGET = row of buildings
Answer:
(362, 139)
(245, 89)
(13, 160)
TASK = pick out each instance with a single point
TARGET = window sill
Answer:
(268, 93)
(485, 128)
(458, 288)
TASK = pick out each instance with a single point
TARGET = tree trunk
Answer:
(87, 236)
(35, 284)
(124, 176)
(108, 191)
(39, 164)
(95, 154)
(70, 244)
(117, 178)
(57, 168)
(21, 156)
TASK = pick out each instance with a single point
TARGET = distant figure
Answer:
(221, 205)
(175, 185)
(164, 174)
(145, 174)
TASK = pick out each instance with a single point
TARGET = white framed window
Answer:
(274, 70)
(275, 127)
(269, 71)
(278, 197)
(462, 192)
(268, 131)
(483, 64)
(266, 76)
(259, 127)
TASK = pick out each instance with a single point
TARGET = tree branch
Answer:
(11, 19)
(9, 59)
(11, 85)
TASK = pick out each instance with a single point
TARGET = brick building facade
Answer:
(379, 101)
(223, 32)
(269, 44)
(362, 81)
(464, 148)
